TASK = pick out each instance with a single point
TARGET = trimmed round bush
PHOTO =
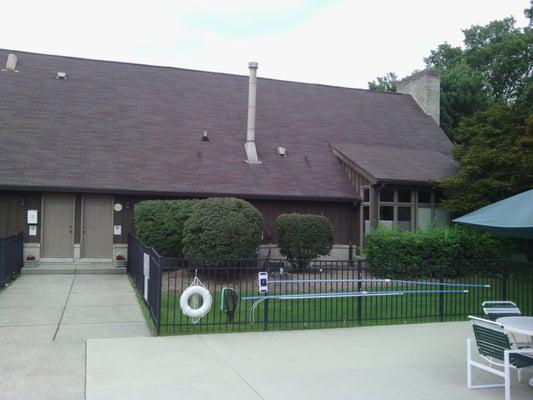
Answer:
(159, 223)
(222, 229)
(455, 251)
(303, 237)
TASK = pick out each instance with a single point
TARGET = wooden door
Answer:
(58, 224)
(97, 227)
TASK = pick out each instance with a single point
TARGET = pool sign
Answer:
(146, 270)
(262, 281)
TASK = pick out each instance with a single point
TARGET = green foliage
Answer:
(159, 223)
(222, 229)
(502, 54)
(303, 237)
(461, 96)
(495, 154)
(422, 254)
(385, 83)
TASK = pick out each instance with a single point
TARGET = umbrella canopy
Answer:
(510, 217)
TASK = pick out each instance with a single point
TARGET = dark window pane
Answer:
(386, 213)
(366, 195)
(439, 196)
(386, 195)
(366, 213)
(404, 195)
(424, 196)
(404, 213)
(404, 218)
(386, 216)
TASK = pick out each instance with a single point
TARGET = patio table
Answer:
(520, 325)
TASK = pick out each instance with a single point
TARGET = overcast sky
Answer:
(336, 42)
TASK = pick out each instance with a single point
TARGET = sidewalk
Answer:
(45, 321)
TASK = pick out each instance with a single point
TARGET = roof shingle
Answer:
(122, 127)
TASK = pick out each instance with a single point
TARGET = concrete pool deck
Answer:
(422, 361)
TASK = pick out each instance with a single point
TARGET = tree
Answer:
(495, 154)
(385, 83)
(502, 54)
(462, 88)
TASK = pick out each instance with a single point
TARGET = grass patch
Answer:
(347, 312)
(144, 309)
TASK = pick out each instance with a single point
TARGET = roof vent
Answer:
(61, 76)
(11, 64)
(205, 138)
(282, 151)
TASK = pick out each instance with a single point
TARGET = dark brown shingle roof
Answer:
(400, 164)
(122, 127)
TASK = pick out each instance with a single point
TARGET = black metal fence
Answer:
(389, 299)
(11, 257)
(327, 293)
(144, 267)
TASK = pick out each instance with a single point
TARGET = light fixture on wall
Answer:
(22, 201)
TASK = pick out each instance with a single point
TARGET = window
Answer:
(366, 195)
(441, 217)
(386, 216)
(439, 196)
(386, 194)
(366, 220)
(423, 218)
(404, 218)
(404, 195)
(424, 196)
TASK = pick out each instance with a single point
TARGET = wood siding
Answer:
(13, 212)
(343, 217)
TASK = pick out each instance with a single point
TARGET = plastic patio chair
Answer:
(494, 346)
(498, 309)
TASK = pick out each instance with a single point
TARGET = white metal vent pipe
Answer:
(249, 146)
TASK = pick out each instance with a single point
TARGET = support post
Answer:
(359, 289)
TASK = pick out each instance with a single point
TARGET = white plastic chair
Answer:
(494, 346)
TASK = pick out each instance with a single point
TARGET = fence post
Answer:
(2, 265)
(159, 294)
(359, 289)
(265, 314)
(505, 277)
(441, 294)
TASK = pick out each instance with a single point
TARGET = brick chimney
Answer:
(424, 87)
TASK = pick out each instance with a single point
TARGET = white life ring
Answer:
(206, 301)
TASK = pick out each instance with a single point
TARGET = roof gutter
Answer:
(250, 196)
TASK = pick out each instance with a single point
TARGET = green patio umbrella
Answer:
(511, 217)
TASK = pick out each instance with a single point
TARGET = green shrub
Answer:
(456, 251)
(303, 237)
(222, 229)
(159, 223)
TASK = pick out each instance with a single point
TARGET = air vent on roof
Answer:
(61, 75)
(11, 64)
(282, 151)
(205, 138)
